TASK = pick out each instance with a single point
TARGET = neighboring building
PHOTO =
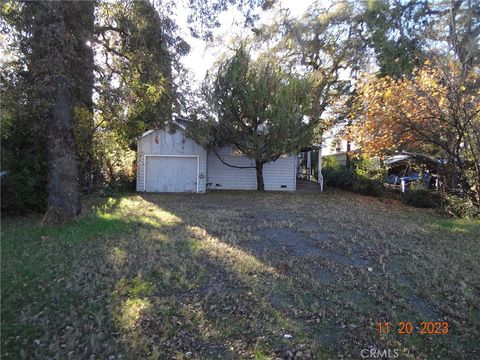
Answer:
(169, 161)
(336, 147)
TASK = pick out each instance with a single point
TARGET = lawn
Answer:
(232, 275)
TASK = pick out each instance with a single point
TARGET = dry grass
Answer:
(228, 274)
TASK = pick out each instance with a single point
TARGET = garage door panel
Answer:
(171, 174)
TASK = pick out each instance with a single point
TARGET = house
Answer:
(336, 147)
(169, 161)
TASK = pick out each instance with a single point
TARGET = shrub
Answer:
(25, 182)
(370, 187)
(330, 162)
(369, 168)
(365, 178)
(422, 199)
(461, 207)
(340, 177)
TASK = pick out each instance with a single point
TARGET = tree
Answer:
(52, 37)
(435, 112)
(323, 43)
(326, 43)
(136, 46)
(405, 33)
(395, 31)
(51, 74)
(260, 109)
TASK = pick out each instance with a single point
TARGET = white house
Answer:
(335, 146)
(169, 161)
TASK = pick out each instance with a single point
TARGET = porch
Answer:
(306, 186)
(309, 174)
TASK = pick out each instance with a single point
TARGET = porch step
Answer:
(308, 186)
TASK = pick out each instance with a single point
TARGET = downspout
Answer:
(309, 165)
(320, 176)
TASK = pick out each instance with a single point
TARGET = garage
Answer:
(170, 173)
(169, 161)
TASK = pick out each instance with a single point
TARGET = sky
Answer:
(203, 55)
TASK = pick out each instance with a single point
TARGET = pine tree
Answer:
(261, 110)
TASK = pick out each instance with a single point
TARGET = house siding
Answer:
(276, 174)
(163, 142)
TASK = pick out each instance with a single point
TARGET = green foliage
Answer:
(396, 44)
(369, 168)
(114, 162)
(337, 176)
(139, 42)
(260, 108)
(330, 162)
(24, 185)
(24, 159)
(368, 187)
(403, 34)
(326, 44)
(461, 207)
(364, 178)
(422, 199)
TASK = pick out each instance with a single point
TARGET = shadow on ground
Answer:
(232, 275)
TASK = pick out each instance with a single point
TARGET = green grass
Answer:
(193, 276)
(460, 225)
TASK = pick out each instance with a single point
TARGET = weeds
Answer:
(229, 274)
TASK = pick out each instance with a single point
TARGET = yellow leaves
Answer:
(289, 44)
(387, 108)
(442, 102)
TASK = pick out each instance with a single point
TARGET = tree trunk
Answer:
(259, 169)
(57, 57)
(63, 177)
(348, 155)
(81, 21)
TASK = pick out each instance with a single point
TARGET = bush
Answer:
(368, 187)
(330, 162)
(364, 179)
(367, 179)
(422, 199)
(461, 207)
(25, 182)
(368, 168)
(339, 177)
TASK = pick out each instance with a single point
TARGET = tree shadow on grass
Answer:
(200, 297)
(162, 277)
(332, 304)
(285, 299)
(38, 280)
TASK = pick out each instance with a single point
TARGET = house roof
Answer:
(177, 120)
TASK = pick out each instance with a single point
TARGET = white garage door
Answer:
(171, 174)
